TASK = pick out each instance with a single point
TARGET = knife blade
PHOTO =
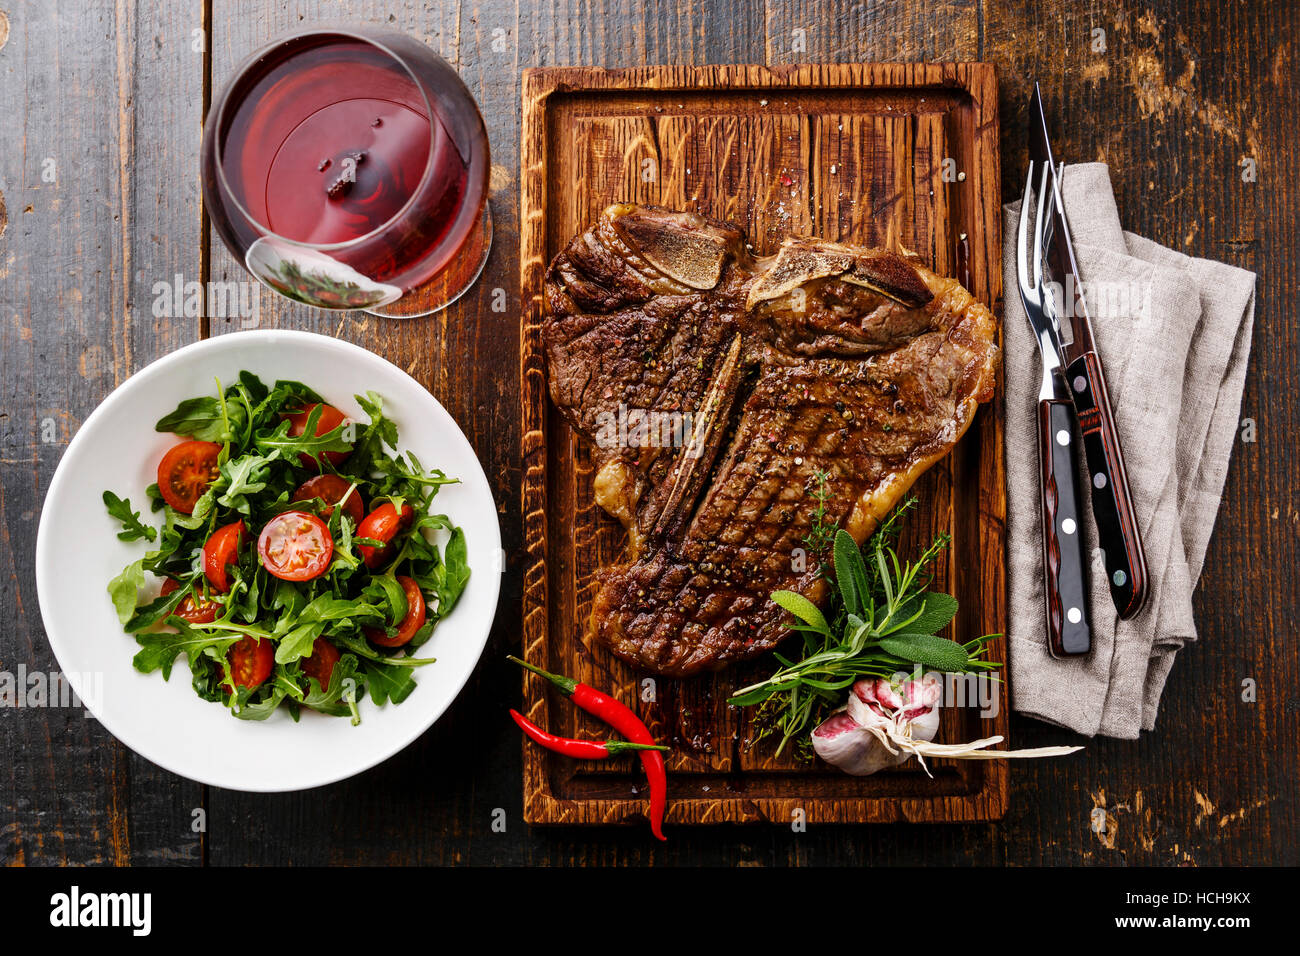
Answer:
(1112, 501)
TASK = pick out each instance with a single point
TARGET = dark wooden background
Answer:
(101, 104)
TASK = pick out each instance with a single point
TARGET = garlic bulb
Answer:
(842, 742)
(858, 738)
(885, 722)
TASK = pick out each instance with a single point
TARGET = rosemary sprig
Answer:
(884, 620)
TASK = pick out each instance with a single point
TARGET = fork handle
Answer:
(1065, 585)
(1112, 502)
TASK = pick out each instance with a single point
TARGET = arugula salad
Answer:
(297, 550)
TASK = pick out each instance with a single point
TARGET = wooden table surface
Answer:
(101, 104)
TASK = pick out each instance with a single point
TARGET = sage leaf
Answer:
(803, 609)
(932, 653)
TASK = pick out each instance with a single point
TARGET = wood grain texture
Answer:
(851, 153)
(103, 204)
(1182, 92)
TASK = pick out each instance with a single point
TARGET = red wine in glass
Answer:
(349, 169)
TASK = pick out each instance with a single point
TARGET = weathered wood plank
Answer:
(98, 178)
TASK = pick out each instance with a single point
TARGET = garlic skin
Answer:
(863, 738)
(843, 743)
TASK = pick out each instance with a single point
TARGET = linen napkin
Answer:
(1173, 334)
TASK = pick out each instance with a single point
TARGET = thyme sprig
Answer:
(821, 533)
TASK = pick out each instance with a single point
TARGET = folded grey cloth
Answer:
(1174, 335)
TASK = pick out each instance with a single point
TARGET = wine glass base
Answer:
(450, 284)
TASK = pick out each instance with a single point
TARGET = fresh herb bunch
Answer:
(258, 469)
(881, 620)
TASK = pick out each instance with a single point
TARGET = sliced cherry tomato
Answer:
(414, 620)
(320, 665)
(219, 551)
(204, 612)
(330, 419)
(331, 489)
(382, 524)
(185, 473)
(295, 546)
(251, 661)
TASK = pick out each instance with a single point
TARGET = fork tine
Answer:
(1022, 235)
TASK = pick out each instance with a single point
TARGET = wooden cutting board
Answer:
(875, 154)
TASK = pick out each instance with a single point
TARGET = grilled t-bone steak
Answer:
(856, 363)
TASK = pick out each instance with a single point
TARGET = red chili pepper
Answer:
(623, 719)
(573, 747)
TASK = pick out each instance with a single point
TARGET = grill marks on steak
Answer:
(824, 358)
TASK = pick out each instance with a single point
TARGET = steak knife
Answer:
(1065, 573)
(1112, 502)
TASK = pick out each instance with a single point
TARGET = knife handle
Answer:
(1112, 502)
(1064, 569)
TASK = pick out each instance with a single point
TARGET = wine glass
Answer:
(348, 169)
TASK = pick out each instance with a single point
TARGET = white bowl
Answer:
(77, 552)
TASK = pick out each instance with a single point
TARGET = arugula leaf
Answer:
(253, 386)
(133, 528)
(206, 418)
(375, 436)
(199, 418)
(362, 649)
(393, 595)
(243, 477)
(125, 590)
(308, 443)
(156, 610)
(332, 699)
(245, 709)
(159, 649)
(456, 572)
(206, 673)
(387, 683)
(198, 518)
(299, 632)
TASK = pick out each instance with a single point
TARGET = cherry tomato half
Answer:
(320, 665)
(295, 546)
(414, 620)
(185, 473)
(204, 612)
(330, 419)
(331, 489)
(382, 524)
(251, 661)
(219, 551)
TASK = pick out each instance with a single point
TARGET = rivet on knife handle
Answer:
(1112, 503)
(1065, 586)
